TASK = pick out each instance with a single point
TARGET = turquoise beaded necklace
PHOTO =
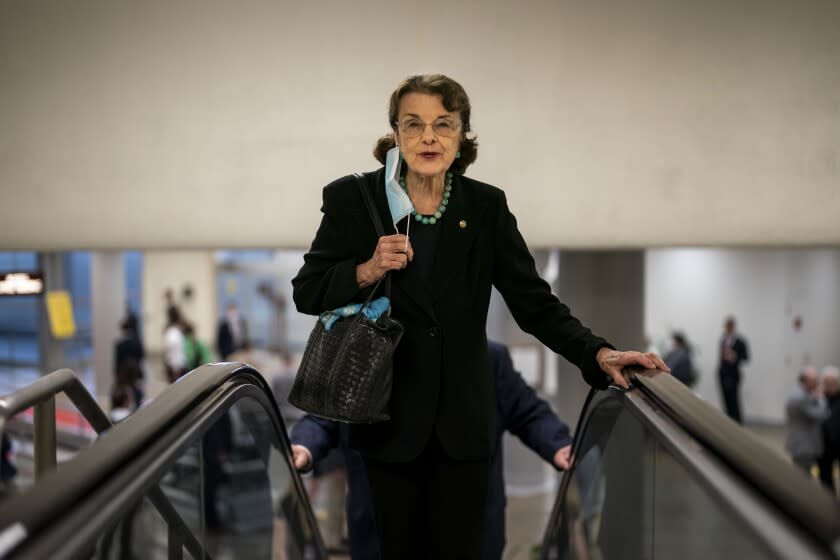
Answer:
(433, 218)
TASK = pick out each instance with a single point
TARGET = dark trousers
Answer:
(430, 507)
(361, 525)
(826, 465)
(731, 400)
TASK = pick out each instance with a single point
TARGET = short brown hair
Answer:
(453, 97)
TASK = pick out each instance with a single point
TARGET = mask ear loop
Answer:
(408, 218)
(407, 226)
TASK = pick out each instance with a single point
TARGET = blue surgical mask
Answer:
(398, 201)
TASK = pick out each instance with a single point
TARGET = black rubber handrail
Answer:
(797, 497)
(58, 491)
(60, 381)
(41, 395)
(776, 479)
(80, 530)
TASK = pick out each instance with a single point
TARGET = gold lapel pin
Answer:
(463, 224)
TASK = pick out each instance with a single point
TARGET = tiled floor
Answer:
(526, 519)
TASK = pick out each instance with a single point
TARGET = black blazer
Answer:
(742, 354)
(225, 344)
(441, 379)
(128, 357)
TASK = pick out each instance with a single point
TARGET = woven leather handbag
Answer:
(346, 372)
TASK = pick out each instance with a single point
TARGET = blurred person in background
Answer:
(519, 411)
(733, 352)
(8, 469)
(830, 426)
(132, 322)
(679, 360)
(171, 304)
(196, 352)
(122, 403)
(174, 360)
(128, 360)
(805, 410)
(232, 334)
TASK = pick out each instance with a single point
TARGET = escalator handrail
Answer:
(61, 489)
(43, 388)
(775, 478)
(798, 498)
(80, 529)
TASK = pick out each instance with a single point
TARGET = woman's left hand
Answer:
(613, 361)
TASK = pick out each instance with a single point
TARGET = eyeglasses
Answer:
(411, 127)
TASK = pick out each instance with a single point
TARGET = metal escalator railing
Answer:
(41, 396)
(770, 474)
(659, 473)
(214, 445)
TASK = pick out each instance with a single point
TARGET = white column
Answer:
(191, 275)
(107, 274)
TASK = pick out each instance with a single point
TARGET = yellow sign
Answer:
(60, 311)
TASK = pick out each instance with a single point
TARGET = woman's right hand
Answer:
(390, 254)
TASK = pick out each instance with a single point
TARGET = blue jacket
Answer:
(520, 411)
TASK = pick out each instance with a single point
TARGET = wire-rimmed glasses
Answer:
(412, 127)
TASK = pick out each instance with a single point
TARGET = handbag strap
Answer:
(371, 206)
(380, 231)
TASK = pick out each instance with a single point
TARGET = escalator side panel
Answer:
(637, 491)
(224, 467)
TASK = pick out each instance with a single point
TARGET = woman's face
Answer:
(432, 150)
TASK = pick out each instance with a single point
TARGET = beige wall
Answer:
(174, 270)
(610, 124)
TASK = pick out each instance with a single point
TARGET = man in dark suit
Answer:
(733, 352)
(520, 412)
(232, 333)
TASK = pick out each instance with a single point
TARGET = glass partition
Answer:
(628, 497)
(144, 531)
(690, 524)
(234, 491)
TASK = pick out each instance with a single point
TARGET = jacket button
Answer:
(434, 331)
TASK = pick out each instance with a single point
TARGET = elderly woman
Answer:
(428, 465)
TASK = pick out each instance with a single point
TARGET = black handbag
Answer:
(346, 372)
